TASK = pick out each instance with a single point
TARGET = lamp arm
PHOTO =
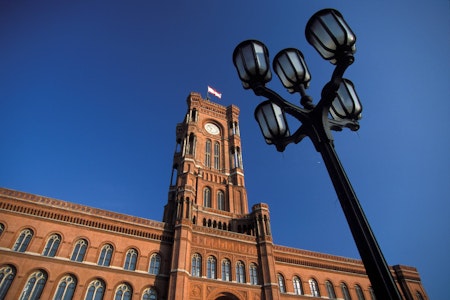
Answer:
(330, 89)
(317, 128)
(299, 113)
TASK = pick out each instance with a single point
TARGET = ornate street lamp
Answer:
(338, 108)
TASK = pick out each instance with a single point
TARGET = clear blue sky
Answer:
(91, 91)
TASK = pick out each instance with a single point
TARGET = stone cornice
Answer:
(54, 209)
(289, 251)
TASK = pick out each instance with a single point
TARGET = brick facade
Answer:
(219, 231)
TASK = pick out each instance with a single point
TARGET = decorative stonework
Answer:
(224, 245)
(196, 291)
(225, 234)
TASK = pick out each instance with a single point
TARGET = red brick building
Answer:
(209, 245)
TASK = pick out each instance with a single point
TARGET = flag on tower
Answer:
(214, 92)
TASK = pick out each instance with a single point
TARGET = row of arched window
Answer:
(220, 199)
(79, 251)
(315, 291)
(67, 285)
(226, 270)
(212, 157)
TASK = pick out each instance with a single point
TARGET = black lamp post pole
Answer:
(371, 255)
(374, 262)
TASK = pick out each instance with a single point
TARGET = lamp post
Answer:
(338, 108)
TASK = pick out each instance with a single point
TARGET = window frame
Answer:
(253, 271)
(79, 250)
(66, 292)
(359, 292)
(149, 294)
(211, 267)
(217, 155)
(314, 287)
(23, 240)
(52, 245)
(208, 153)
(196, 265)
(297, 284)
(155, 264)
(330, 289)
(97, 285)
(240, 272)
(123, 288)
(226, 269)
(106, 255)
(207, 197)
(7, 275)
(34, 286)
(345, 291)
(281, 283)
(130, 260)
(221, 200)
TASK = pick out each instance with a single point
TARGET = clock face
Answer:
(211, 128)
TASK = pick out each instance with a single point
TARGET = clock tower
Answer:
(207, 181)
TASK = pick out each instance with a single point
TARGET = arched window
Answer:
(34, 286)
(330, 289)
(240, 272)
(194, 115)
(226, 270)
(196, 265)
(372, 294)
(281, 284)
(234, 128)
(211, 267)
(216, 155)
(66, 288)
(314, 287)
(207, 197)
(191, 144)
(7, 274)
(123, 292)
(130, 260)
(253, 274)
(2, 228)
(238, 158)
(155, 263)
(297, 285)
(106, 255)
(220, 200)
(79, 251)
(359, 292)
(174, 175)
(23, 240)
(95, 290)
(345, 292)
(149, 294)
(52, 245)
(208, 154)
